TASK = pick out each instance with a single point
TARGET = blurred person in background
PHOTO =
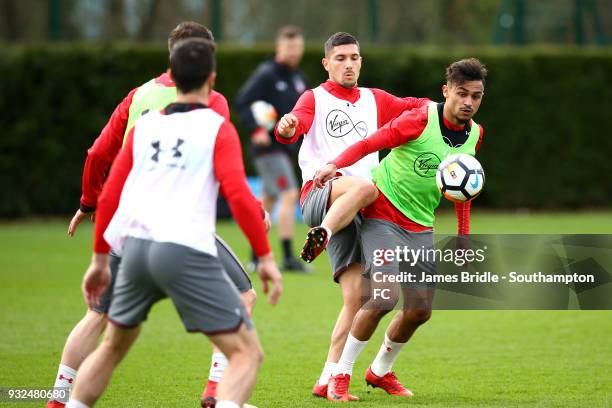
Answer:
(270, 92)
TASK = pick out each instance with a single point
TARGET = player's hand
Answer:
(267, 221)
(96, 279)
(261, 137)
(287, 124)
(76, 220)
(269, 273)
(324, 174)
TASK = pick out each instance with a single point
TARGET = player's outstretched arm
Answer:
(405, 128)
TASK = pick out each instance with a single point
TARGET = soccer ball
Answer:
(265, 115)
(460, 177)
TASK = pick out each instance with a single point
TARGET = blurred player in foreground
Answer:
(151, 96)
(158, 209)
(403, 216)
(278, 82)
(332, 117)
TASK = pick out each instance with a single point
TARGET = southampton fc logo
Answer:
(339, 124)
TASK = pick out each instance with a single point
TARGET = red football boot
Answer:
(55, 404)
(387, 382)
(337, 389)
(319, 390)
(208, 396)
(316, 242)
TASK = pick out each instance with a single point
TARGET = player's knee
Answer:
(112, 348)
(383, 299)
(368, 193)
(258, 356)
(416, 316)
(96, 321)
(249, 351)
(376, 313)
(352, 300)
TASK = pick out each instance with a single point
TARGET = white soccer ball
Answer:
(460, 177)
(265, 115)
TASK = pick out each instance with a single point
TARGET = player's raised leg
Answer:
(348, 195)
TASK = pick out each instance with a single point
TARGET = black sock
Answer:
(287, 248)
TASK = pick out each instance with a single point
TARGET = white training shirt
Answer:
(171, 192)
(338, 124)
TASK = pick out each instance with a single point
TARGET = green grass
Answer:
(460, 358)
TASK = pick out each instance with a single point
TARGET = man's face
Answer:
(462, 100)
(343, 64)
(289, 51)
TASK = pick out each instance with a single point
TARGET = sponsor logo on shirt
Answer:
(426, 165)
(339, 124)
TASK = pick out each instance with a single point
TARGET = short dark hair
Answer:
(288, 32)
(470, 69)
(189, 29)
(191, 63)
(340, 38)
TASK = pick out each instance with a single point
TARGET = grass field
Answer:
(458, 359)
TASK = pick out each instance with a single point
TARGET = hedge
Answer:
(546, 114)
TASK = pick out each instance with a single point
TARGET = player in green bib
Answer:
(403, 217)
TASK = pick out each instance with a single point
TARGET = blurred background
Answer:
(416, 22)
(66, 64)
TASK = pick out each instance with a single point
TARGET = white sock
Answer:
(65, 378)
(386, 356)
(72, 403)
(226, 404)
(329, 233)
(352, 349)
(217, 367)
(328, 369)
